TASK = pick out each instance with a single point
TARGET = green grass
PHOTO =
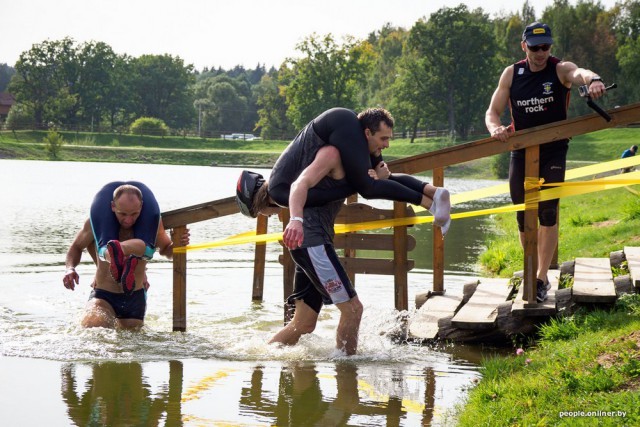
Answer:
(589, 362)
(137, 141)
(85, 146)
(591, 225)
(603, 145)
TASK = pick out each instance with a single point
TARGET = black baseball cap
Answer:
(248, 184)
(537, 33)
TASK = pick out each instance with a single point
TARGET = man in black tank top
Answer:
(536, 90)
(319, 277)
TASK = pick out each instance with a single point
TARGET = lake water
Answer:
(221, 371)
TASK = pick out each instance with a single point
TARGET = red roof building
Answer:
(6, 102)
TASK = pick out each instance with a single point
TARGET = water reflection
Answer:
(119, 394)
(291, 394)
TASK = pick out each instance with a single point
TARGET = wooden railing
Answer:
(435, 161)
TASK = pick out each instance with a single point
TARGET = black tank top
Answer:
(538, 98)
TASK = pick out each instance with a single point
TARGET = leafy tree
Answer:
(412, 103)
(96, 80)
(386, 50)
(629, 60)
(162, 88)
(627, 29)
(451, 54)
(228, 107)
(120, 102)
(528, 14)
(272, 107)
(562, 19)
(584, 35)
(326, 77)
(254, 76)
(41, 73)
(508, 33)
(227, 103)
(60, 110)
(627, 24)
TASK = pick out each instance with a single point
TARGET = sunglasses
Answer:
(543, 47)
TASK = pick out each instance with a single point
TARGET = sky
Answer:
(213, 33)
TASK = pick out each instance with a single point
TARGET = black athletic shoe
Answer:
(541, 291)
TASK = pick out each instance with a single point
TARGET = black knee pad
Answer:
(520, 219)
(548, 216)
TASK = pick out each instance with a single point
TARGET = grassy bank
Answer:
(584, 371)
(90, 147)
(591, 225)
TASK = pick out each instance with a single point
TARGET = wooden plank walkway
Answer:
(632, 254)
(593, 281)
(482, 309)
(424, 324)
(547, 308)
(488, 311)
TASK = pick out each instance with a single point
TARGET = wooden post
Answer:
(174, 395)
(288, 269)
(531, 170)
(400, 259)
(438, 242)
(259, 260)
(179, 282)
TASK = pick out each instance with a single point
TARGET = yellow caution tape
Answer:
(558, 190)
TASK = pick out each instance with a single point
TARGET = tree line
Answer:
(439, 74)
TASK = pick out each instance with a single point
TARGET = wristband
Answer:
(595, 79)
(69, 269)
(297, 218)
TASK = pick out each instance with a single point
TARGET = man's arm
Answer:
(570, 73)
(164, 242)
(497, 106)
(327, 162)
(83, 240)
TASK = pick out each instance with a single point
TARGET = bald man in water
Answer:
(109, 305)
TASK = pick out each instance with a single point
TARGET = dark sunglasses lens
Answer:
(544, 47)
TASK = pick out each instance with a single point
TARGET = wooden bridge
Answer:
(401, 243)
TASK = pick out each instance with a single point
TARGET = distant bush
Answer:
(149, 126)
(53, 143)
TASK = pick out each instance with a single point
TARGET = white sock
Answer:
(441, 207)
(432, 209)
(445, 227)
